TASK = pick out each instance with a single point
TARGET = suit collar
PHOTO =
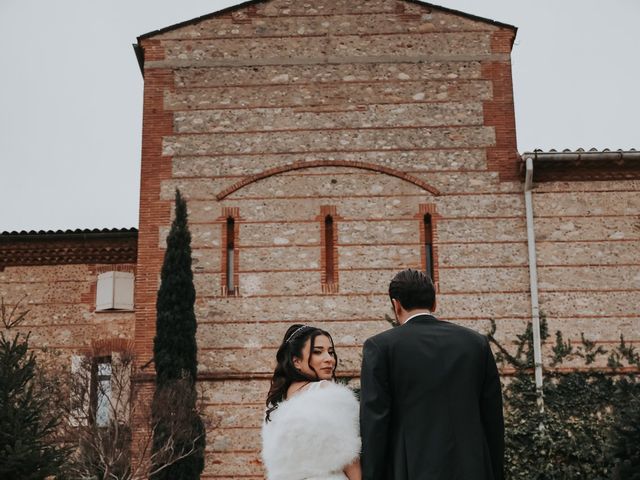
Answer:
(420, 318)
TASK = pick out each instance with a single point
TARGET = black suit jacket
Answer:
(431, 404)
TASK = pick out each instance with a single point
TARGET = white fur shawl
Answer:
(313, 435)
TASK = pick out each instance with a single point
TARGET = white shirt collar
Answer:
(416, 315)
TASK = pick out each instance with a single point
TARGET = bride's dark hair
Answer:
(286, 373)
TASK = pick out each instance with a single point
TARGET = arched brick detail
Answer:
(106, 346)
(326, 163)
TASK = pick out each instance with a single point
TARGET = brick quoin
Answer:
(499, 112)
(157, 123)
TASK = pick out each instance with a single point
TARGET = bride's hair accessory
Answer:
(298, 330)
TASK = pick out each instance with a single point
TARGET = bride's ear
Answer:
(297, 362)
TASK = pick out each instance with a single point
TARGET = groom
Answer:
(431, 404)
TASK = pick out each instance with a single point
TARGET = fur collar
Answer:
(314, 434)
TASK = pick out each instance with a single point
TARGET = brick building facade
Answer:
(54, 275)
(324, 146)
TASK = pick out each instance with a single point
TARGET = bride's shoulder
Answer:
(320, 391)
(321, 384)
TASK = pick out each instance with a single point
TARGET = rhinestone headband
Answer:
(298, 330)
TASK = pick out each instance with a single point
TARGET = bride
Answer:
(311, 427)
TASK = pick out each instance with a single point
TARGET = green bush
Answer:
(586, 427)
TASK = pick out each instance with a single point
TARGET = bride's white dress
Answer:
(312, 436)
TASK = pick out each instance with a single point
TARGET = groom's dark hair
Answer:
(413, 289)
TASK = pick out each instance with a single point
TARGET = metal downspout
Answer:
(533, 280)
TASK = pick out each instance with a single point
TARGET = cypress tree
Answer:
(28, 450)
(174, 413)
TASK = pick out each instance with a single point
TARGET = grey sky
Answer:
(71, 94)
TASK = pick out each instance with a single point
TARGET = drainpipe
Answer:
(533, 280)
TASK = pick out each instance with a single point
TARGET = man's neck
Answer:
(414, 313)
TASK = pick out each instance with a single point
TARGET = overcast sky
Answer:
(71, 94)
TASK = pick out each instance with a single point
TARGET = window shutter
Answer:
(105, 291)
(123, 290)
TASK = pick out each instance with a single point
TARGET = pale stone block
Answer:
(487, 305)
(378, 232)
(275, 258)
(279, 234)
(464, 44)
(193, 189)
(280, 283)
(234, 416)
(341, 95)
(271, 334)
(591, 253)
(463, 182)
(285, 8)
(338, 24)
(267, 119)
(246, 439)
(478, 254)
(484, 280)
(206, 259)
(369, 281)
(374, 207)
(589, 278)
(568, 304)
(406, 161)
(384, 257)
(311, 308)
(482, 230)
(287, 142)
(293, 8)
(202, 236)
(307, 308)
(577, 229)
(262, 360)
(481, 205)
(596, 329)
(207, 284)
(235, 392)
(587, 203)
(325, 73)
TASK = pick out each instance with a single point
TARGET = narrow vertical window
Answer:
(329, 246)
(230, 255)
(428, 245)
(229, 251)
(328, 219)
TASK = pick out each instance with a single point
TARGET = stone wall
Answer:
(588, 244)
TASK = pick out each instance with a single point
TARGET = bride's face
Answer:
(320, 361)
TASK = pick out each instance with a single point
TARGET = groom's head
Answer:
(412, 290)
